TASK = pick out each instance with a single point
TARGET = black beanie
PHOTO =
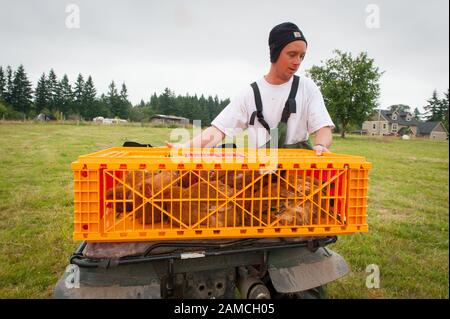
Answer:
(280, 36)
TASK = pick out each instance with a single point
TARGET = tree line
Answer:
(192, 107)
(349, 85)
(58, 99)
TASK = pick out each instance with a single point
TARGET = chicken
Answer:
(237, 179)
(138, 186)
(262, 203)
(191, 177)
(294, 215)
(192, 204)
(288, 205)
(152, 185)
(190, 199)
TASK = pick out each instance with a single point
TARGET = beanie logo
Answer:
(297, 34)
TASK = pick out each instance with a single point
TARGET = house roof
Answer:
(401, 118)
(427, 127)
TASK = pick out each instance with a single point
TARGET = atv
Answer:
(250, 268)
(278, 268)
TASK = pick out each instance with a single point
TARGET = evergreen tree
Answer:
(417, 114)
(9, 85)
(115, 102)
(202, 112)
(433, 108)
(141, 104)
(167, 102)
(91, 108)
(183, 105)
(64, 96)
(154, 104)
(126, 104)
(78, 106)
(21, 95)
(52, 90)
(112, 98)
(2, 84)
(41, 94)
(187, 106)
(443, 110)
(124, 93)
(103, 106)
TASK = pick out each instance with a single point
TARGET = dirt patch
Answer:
(433, 160)
(384, 139)
(389, 215)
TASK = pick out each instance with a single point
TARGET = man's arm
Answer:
(322, 140)
(210, 137)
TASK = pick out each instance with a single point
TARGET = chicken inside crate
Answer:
(315, 198)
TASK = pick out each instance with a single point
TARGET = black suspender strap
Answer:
(259, 108)
(252, 118)
(290, 106)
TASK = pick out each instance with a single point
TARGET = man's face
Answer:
(290, 59)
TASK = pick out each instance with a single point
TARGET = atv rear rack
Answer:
(204, 250)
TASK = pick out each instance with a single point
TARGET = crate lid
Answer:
(214, 158)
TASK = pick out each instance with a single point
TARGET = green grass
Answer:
(407, 214)
(408, 219)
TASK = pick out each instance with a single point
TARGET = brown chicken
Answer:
(191, 199)
(283, 204)
(153, 185)
(192, 177)
(235, 179)
(192, 204)
(244, 184)
(138, 186)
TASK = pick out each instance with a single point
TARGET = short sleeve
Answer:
(317, 113)
(234, 117)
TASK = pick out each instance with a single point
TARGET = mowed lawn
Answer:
(408, 209)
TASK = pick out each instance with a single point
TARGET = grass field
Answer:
(408, 209)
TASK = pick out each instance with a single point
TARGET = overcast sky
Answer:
(219, 47)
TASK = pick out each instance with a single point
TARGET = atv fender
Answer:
(299, 269)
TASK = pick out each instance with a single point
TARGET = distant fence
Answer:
(75, 122)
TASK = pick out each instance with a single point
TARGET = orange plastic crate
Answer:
(135, 194)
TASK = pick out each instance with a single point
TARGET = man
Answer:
(279, 105)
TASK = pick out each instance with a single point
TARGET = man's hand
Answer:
(174, 145)
(208, 138)
(319, 148)
(322, 140)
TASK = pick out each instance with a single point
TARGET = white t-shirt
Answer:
(311, 113)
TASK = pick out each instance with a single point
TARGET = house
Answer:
(107, 121)
(433, 130)
(169, 119)
(385, 122)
